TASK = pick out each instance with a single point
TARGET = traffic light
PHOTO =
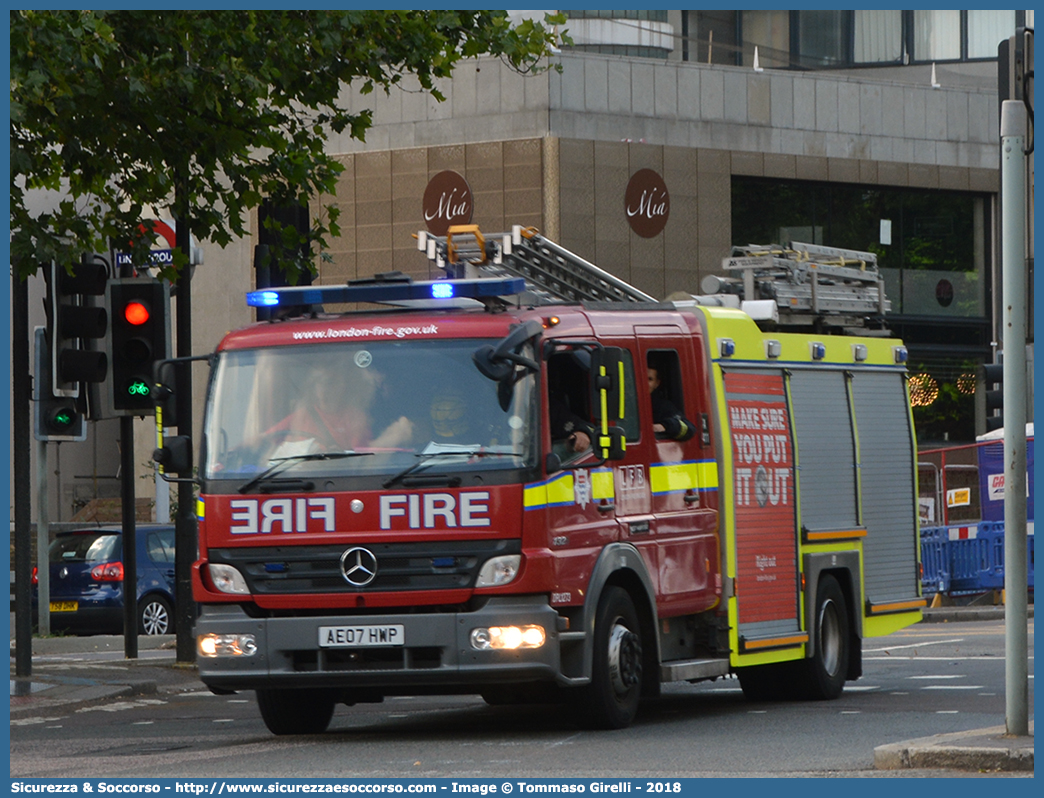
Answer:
(139, 336)
(992, 374)
(71, 322)
(55, 418)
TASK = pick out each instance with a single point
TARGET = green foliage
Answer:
(207, 113)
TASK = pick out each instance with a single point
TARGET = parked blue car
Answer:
(86, 580)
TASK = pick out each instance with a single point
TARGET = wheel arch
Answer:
(621, 565)
(844, 567)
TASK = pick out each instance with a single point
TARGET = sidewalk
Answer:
(73, 671)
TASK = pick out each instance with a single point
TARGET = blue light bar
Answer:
(392, 291)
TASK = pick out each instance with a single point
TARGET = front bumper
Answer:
(437, 652)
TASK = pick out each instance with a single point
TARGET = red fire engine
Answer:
(466, 492)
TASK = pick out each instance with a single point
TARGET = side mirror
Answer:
(607, 379)
(612, 443)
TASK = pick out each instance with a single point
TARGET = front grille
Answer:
(441, 565)
(367, 659)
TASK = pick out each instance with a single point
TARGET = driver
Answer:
(335, 412)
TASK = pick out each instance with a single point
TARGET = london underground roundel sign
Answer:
(647, 203)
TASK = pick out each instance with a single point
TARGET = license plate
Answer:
(65, 606)
(361, 636)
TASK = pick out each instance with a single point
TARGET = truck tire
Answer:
(305, 711)
(154, 616)
(611, 700)
(825, 672)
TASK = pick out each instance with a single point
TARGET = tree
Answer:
(210, 112)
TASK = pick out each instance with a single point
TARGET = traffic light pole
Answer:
(21, 422)
(1013, 270)
(185, 522)
(130, 539)
(128, 507)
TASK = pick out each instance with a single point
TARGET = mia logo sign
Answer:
(447, 201)
(647, 203)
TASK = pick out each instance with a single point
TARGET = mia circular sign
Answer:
(447, 201)
(647, 203)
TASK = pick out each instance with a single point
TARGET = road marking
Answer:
(119, 706)
(224, 720)
(982, 658)
(939, 676)
(238, 701)
(952, 687)
(34, 721)
(915, 645)
(897, 693)
(757, 711)
(142, 723)
(947, 712)
(851, 712)
(861, 688)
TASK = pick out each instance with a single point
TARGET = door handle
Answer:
(691, 497)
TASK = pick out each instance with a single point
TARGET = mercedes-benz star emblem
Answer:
(358, 566)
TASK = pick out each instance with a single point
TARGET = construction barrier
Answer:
(965, 560)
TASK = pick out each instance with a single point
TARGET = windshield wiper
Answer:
(280, 464)
(434, 449)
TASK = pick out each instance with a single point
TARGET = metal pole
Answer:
(43, 541)
(130, 539)
(1013, 267)
(185, 522)
(21, 424)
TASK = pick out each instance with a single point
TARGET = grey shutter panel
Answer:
(888, 485)
(825, 450)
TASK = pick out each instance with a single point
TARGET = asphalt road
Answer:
(929, 679)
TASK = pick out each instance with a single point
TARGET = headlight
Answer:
(227, 579)
(508, 637)
(499, 570)
(212, 645)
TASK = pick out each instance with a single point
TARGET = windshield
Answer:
(94, 547)
(379, 407)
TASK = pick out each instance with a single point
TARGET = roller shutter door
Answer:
(888, 486)
(825, 450)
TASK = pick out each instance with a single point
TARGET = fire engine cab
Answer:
(466, 491)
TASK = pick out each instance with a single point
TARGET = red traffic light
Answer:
(136, 313)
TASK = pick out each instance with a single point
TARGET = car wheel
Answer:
(611, 700)
(154, 616)
(306, 711)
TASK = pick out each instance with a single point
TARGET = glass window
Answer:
(878, 37)
(715, 34)
(160, 546)
(937, 35)
(986, 29)
(376, 407)
(770, 31)
(936, 263)
(90, 547)
(822, 39)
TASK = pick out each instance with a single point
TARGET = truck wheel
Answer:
(825, 671)
(611, 700)
(296, 711)
(154, 616)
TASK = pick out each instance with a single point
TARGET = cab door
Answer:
(682, 473)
